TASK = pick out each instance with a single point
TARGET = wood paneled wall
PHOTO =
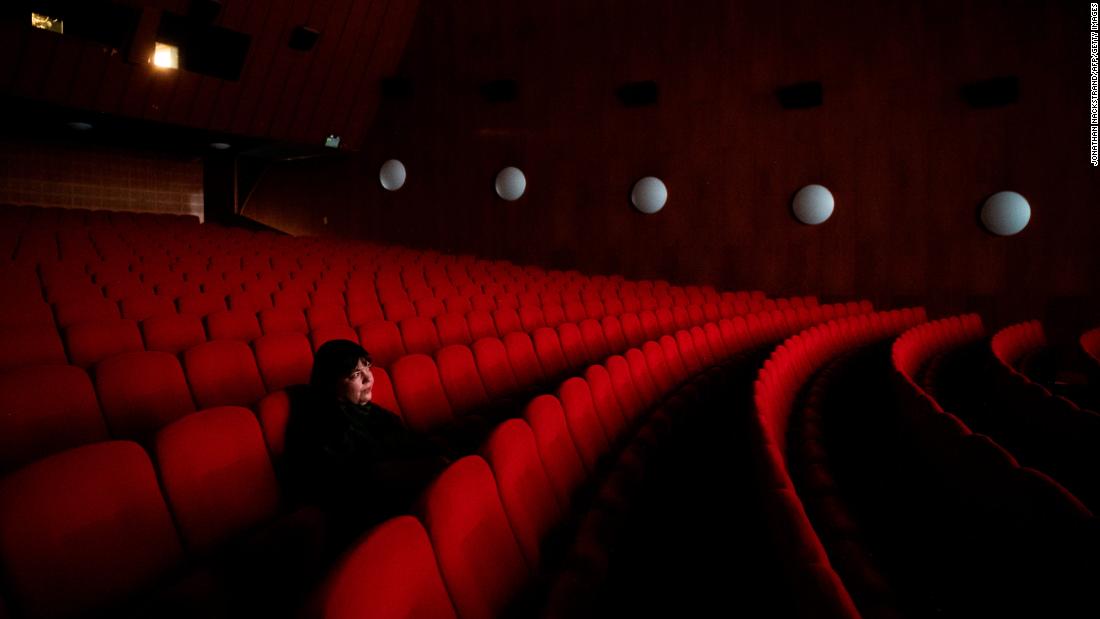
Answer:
(283, 94)
(907, 160)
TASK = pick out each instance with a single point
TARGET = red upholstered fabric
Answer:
(173, 334)
(382, 340)
(525, 489)
(524, 361)
(141, 392)
(30, 345)
(273, 411)
(494, 368)
(674, 362)
(585, 427)
(507, 321)
(328, 333)
(321, 315)
(613, 334)
(452, 329)
(481, 324)
(463, 512)
(398, 309)
(556, 447)
(650, 326)
(252, 300)
(45, 409)
(424, 404)
(419, 335)
(594, 340)
(145, 304)
(606, 402)
(392, 574)
(223, 373)
(25, 311)
(83, 529)
(88, 309)
(691, 359)
(549, 352)
(363, 307)
(283, 359)
(554, 315)
(201, 303)
(217, 476)
(630, 402)
(294, 298)
(658, 367)
(460, 378)
(572, 345)
(283, 320)
(531, 318)
(235, 324)
(383, 393)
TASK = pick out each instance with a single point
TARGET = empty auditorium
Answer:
(478, 309)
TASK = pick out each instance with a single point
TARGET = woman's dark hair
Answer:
(334, 361)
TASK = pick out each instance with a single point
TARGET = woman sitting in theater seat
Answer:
(348, 455)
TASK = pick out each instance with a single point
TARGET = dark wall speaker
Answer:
(638, 94)
(993, 92)
(500, 91)
(800, 96)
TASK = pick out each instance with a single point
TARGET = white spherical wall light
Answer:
(649, 195)
(392, 175)
(1006, 213)
(511, 183)
(813, 204)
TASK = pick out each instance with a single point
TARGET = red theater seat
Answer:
(556, 448)
(572, 345)
(45, 409)
(202, 303)
(291, 298)
(507, 321)
(326, 315)
(452, 329)
(531, 318)
(585, 427)
(494, 368)
(173, 334)
(481, 325)
(252, 300)
(141, 392)
(217, 476)
(462, 511)
(606, 403)
(594, 340)
(382, 340)
(283, 320)
(91, 309)
(630, 401)
(461, 381)
(549, 352)
(30, 345)
(144, 305)
(525, 363)
(525, 489)
(236, 324)
(321, 335)
(83, 530)
(283, 359)
(391, 574)
(419, 335)
(424, 404)
(223, 373)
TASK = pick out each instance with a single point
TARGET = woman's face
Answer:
(358, 385)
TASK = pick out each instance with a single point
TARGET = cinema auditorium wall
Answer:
(909, 162)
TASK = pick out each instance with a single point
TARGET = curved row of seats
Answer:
(1020, 541)
(510, 502)
(217, 483)
(777, 386)
(131, 394)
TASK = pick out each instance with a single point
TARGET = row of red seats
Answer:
(1016, 534)
(219, 484)
(1011, 344)
(1090, 343)
(138, 392)
(508, 502)
(779, 382)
